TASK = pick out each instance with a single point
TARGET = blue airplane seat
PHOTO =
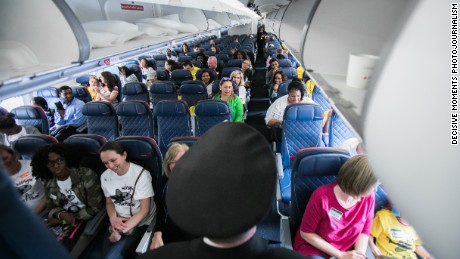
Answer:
(226, 71)
(184, 58)
(172, 118)
(193, 91)
(187, 140)
(180, 75)
(101, 119)
(320, 99)
(209, 113)
(338, 130)
(28, 145)
(312, 168)
(223, 57)
(283, 88)
(135, 91)
(32, 116)
(135, 118)
(235, 63)
(82, 93)
(162, 91)
(83, 80)
(284, 63)
(136, 69)
(290, 72)
(51, 95)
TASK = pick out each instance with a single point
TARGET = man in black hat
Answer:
(220, 190)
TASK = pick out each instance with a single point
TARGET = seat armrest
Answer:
(279, 165)
(285, 233)
(144, 244)
(93, 225)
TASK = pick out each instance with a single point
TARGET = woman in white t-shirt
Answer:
(31, 189)
(129, 200)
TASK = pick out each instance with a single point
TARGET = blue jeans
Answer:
(125, 248)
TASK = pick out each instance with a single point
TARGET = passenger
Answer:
(237, 77)
(278, 78)
(296, 93)
(185, 48)
(233, 50)
(169, 55)
(392, 236)
(69, 116)
(165, 229)
(145, 67)
(170, 65)
(247, 72)
(42, 103)
(213, 64)
(151, 78)
(109, 90)
(202, 58)
(261, 40)
(212, 42)
(207, 80)
(338, 218)
(129, 201)
(353, 146)
(128, 75)
(10, 131)
(31, 190)
(239, 54)
(197, 49)
(226, 94)
(215, 49)
(187, 65)
(274, 66)
(93, 84)
(290, 57)
(74, 192)
(215, 200)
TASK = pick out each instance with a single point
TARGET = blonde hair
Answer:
(356, 177)
(238, 72)
(171, 154)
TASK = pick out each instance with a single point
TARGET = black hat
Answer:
(224, 184)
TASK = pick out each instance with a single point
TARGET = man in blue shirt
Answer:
(68, 116)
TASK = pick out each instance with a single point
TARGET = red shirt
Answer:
(340, 227)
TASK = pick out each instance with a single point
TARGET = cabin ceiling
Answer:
(268, 6)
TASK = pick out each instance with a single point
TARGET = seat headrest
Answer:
(212, 108)
(83, 80)
(162, 88)
(48, 92)
(133, 108)
(303, 112)
(134, 88)
(192, 89)
(98, 109)
(139, 148)
(171, 108)
(181, 73)
(320, 161)
(28, 112)
(87, 143)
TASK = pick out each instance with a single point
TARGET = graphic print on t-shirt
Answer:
(24, 184)
(121, 198)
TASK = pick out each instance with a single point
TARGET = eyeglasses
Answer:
(56, 162)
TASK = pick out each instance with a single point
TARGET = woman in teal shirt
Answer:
(226, 94)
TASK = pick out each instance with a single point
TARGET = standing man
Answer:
(68, 116)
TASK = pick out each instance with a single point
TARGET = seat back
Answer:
(160, 60)
(184, 58)
(162, 91)
(188, 140)
(32, 116)
(193, 91)
(312, 168)
(223, 57)
(209, 113)
(28, 145)
(3, 111)
(209, 53)
(144, 151)
(212, 73)
(162, 75)
(88, 145)
(51, 95)
(338, 130)
(302, 128)
(235, 63)
(136, 119)
(135, 91)
(320, 99)
(215, 87)
(136, 69)
(226, 71)
(284, 63)
(289, 71)
(180, 75)
(82, 93)
(173, 119)
(101, 119)
(283, 88)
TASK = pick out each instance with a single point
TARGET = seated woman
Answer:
(272, 68)
(226, 94)
(10, 131)
(202, 58)
(338, 218)
(237, 77)
(31, 190)
(73, 192)
(109, 90)
(215, 49)
(296, 94)
(170, 65)
(185, 48)
(207, 80)
(94, 83)
(145, 67)
(278, 78)
(129, 202)
(165, 230)
(246, 68)
(42, 103)
(128, 75)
